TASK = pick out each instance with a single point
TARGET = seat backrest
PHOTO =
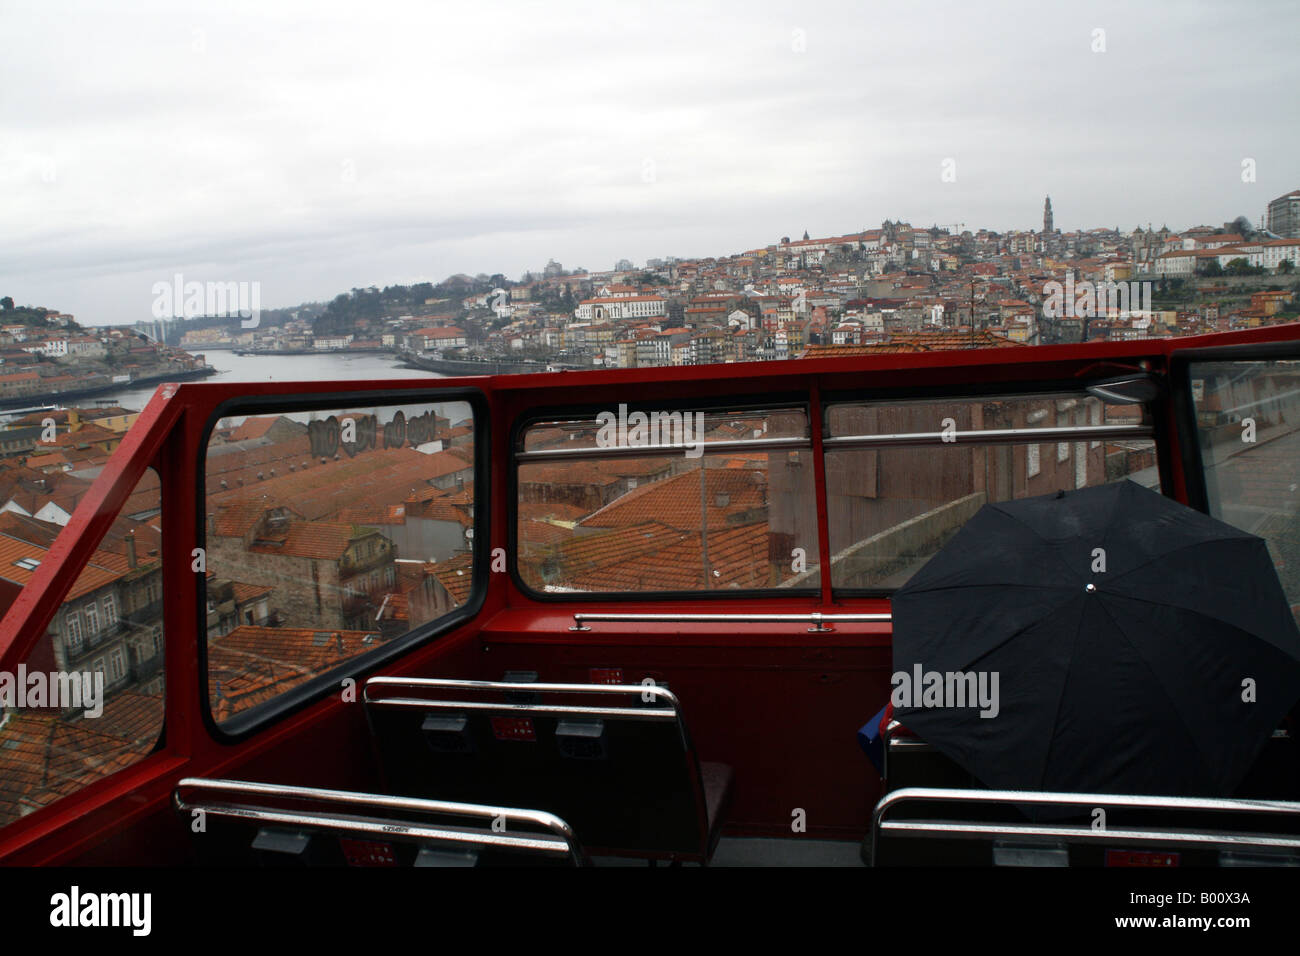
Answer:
(236, 822)
(615, 760)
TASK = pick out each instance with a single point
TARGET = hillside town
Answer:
(46, 355)
(898, 287)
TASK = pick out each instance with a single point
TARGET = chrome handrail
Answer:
(541, 710)
(566, 839)
(626, 690)
(655, 451)
(994, 436)
(817, 619)
(957, 829)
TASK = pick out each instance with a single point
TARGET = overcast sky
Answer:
(313, 147)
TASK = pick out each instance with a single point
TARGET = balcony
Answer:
(150, 613)
(141, 671)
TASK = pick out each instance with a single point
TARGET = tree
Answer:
(7, 303)
(1287, 267)
(1240, 267)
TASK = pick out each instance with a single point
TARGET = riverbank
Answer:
(317, 368)
(67, 395)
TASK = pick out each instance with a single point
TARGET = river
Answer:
(324, 367)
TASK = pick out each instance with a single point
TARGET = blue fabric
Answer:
(872, 741)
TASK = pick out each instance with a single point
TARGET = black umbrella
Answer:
(1115, 641)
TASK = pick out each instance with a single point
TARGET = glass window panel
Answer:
(1248, 424)
(744, 519)
(329, 534)
(97, 705)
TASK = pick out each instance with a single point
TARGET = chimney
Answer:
(131, 559)
(723, 499)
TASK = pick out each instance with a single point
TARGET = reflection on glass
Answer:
(1248, 422)
(892, 508)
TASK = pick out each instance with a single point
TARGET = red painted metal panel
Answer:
(780, 705)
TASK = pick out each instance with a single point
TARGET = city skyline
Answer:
(535, 271)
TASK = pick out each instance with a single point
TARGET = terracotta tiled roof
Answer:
(738, 558)
(253, 427)
(32, 530)
(253, 664)
(322, 540)
(592, 552)
(236, 519)
(676, 502)
(102, 569)
(44, 756)
(852, 351)
(455, 575)
(542, 532)
(554, 510)
(249, 592)
(323, 491)
(568, 473)
(440, 509)
(374, 516)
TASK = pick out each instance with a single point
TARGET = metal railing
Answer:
(1084, 832)
(651, 451)
(562, 840)
(817, 619)
(996, 436)
(434, 683)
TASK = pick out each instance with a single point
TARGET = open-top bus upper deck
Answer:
(253, 558)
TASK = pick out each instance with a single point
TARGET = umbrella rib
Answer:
(1182, 547)
(1047, 755)
(1206, 762)
(1196, 611)
(1068, 596)
(1109, 528)
(1039, 535)
(1000, 584)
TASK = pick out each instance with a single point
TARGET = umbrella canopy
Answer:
(1106, 640)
